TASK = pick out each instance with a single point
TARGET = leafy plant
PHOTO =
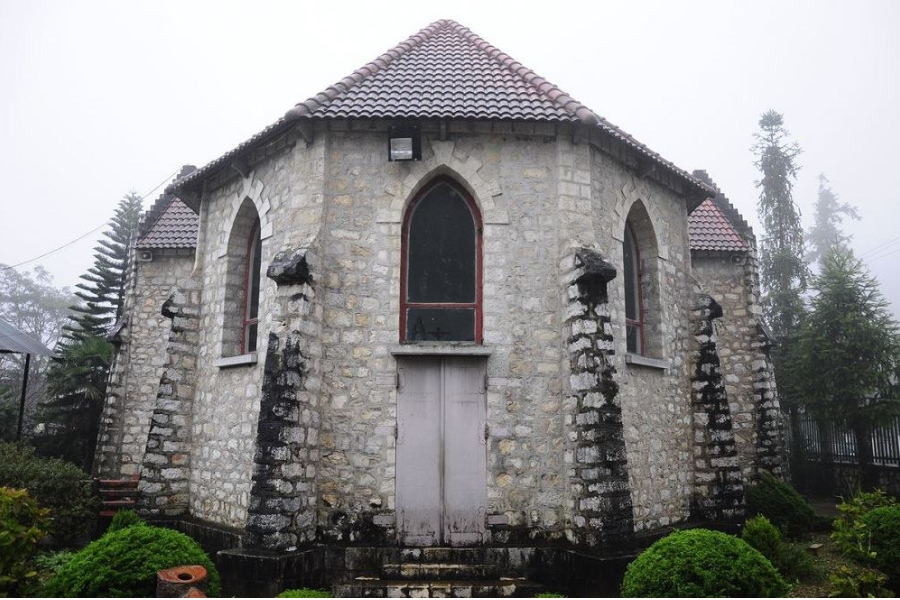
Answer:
(884, 528)
(123, 519)
(782, 505)
(304, 593)
(55, 484)
(858, 583)
(125, 562)
(851, 535)
(48, 564)
(22, 526)
(762, 535)
(550, 595)
(702, 563)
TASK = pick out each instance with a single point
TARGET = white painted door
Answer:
(441, 452)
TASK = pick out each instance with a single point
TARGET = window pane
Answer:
(255, 266)
(633, 339)
(441, 249)
(251, 337)
(440, 325)
(632, 308)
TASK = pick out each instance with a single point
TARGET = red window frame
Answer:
(639, 323)
(247, 322)
(404, 259)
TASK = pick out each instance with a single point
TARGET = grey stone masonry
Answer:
(282, 511)
(165, 472)
(718, 485)
(769, 418)
(598, 475)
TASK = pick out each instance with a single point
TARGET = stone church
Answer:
(441, 303)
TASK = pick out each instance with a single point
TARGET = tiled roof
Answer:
(443, 72)
(710, 229)
(169, 223)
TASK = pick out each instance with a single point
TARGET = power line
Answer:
(81, 237)
(880, 246)
(892, 251)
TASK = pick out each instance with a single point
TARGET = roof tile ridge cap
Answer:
(730, 212)
(569, 104)
(310, 105)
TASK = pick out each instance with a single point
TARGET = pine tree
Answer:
(848, 350)
(825, 234)
(102, 287)
(782, 268)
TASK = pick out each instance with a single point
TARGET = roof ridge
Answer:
(326, 96)
(152, 215)
(538, 83)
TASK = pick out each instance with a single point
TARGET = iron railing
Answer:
(838, 440)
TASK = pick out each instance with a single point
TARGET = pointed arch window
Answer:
(634, 297)
(441, 270)
(250, 324)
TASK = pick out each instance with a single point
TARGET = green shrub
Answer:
(884, 528)
(125, 562)
(792, 561)
(701, 563)
(123, 519)
(550, 595)
(55, 484)
(851, 536)
(304, 593)
(782, 505)
(48, 564)
(22, 526)
(762, 535)
(858, 583)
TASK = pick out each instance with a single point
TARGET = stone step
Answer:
(459, 556)
(439, 571)
(490, 588)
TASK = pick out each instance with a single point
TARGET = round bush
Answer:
(762, 535)
(782, 505)
(124, 563)
(304, 593)
(884, 526)
(55, 484)
(123, 519)
(699, 563)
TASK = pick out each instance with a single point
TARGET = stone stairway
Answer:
(440, 573)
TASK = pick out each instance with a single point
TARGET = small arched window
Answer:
(440, 284)
(250, 324)
(634, 298)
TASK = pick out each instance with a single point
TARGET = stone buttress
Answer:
(165, 471)
(718, 484)
(282, 511)
(598, 470)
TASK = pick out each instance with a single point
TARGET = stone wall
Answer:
(140, 361)
(731, 279)
(163, 487)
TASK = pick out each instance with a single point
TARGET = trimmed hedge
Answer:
(304, 593)
(782, 505)
(55, 484)
(699, 563)
(124, 563)
(884, 527)
(123, 519)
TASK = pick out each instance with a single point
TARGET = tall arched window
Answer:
(242, 283)
(250, 325)
(641, 280)
(440, 284)
(634, 301)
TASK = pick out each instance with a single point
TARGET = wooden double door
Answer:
(441, 451)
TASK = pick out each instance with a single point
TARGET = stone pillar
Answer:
(769, 419)
(282, 512)
(598, 469)
(718, 485)
(165, 471)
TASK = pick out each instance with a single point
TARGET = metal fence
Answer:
(885, 441)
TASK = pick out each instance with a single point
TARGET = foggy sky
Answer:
(100, 98)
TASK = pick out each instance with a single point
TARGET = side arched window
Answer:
(641, 280)
(634, 298)
(440, 284)
(250, 325)
(242, 284)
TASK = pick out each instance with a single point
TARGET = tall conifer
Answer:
(825, 234)
(782, 266)
(102, 287)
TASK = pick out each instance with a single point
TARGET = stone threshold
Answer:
(441, 349)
